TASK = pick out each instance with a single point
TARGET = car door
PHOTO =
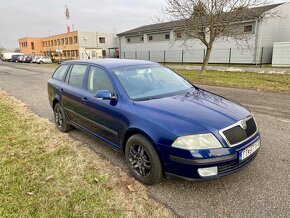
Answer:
(72, 94)
(104, 115)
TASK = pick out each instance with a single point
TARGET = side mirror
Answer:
(105, 95)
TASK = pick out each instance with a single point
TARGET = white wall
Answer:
(272, 30)
(281, 54)
(90, 40)
(193, 51)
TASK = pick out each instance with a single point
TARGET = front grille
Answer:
(236, 165)
(237, 134)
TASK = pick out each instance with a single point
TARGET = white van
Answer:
(6, 56)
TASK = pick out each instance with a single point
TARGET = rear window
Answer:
(59, 73)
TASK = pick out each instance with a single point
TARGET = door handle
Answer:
(84, 100)
(61, 90)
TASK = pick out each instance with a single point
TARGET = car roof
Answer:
(113, 62)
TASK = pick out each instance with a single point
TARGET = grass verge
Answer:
(45, 173)
(247, 80)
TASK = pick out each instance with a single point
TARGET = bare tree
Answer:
(207, 20)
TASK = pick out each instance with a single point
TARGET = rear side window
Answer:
(98, 80)
(59, 73)
(77, 75)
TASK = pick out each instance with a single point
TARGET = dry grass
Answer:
(45, 173)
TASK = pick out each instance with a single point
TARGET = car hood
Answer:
(197, 111)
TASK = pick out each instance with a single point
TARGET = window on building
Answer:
(77, 53)
(64, 53)
(102, 40)
(72, 53)
(48, 43)
(248, 28)
(104, 53)
(68, 53)
(32, 45)
(150, 38)
(75, 39)
(42, 44)
(51, 42)
(128, 40)
(62, 41)
(70, 40)
(66, 41)
(141, 39)
(167, 36)
(93, 54)
(58, 41)
(55, 42)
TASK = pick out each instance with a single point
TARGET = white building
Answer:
(160, 42)
(97, 45)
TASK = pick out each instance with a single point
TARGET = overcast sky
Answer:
(39, 18)
(21, 18)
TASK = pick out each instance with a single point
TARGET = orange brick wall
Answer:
(31, 46)
(67, 42)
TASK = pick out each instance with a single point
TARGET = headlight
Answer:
(200, 141)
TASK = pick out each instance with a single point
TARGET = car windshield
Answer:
(147, 82)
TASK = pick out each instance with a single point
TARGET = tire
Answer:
(40, 62)
(143, 160)
(60, 118)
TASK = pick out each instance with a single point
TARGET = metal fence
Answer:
(219, 56)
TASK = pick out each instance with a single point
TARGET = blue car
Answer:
(164, 124)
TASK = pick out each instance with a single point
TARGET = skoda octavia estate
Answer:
(164, 124)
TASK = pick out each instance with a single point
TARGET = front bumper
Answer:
(185, 164)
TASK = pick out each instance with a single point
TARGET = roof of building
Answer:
(165, 26)
(113, 62)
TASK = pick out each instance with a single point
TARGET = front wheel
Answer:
(60, 118)
(143, 160)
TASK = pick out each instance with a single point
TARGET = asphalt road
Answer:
(260, 190)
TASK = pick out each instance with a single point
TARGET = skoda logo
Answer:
(243, 124)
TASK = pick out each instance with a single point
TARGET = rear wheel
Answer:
(60, 118)
(41, 62)
(143, 160)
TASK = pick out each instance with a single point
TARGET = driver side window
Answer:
(98, 80)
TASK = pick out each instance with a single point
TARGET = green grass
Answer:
(39, 175)
(246, 80)
(45, 173)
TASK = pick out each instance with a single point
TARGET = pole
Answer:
(124, 54)
(230, 57)
(149, 55)
(164, 57)
(261, 61)
(135, 54)
(182, 57)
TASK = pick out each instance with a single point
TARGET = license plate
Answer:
(249, 150)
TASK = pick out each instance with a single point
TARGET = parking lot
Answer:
(260, 190)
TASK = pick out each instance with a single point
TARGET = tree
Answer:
(207, 20)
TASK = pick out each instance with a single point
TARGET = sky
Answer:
(40, 18)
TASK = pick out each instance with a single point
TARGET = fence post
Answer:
(124, 54)
(203, 54)
(164, 57)
(149, 56)
(135, 54)
(182, 57)
(261, 61)
(230, 57)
